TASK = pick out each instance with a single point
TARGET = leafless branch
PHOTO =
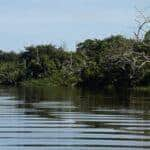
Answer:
(142, 22)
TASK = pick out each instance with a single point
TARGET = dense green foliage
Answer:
(114, 61)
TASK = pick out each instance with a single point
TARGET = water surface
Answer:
(40, 118)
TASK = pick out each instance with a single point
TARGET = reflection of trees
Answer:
(85, 102)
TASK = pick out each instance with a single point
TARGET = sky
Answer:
(65, 22)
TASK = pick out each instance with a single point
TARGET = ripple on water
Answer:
(69, 124)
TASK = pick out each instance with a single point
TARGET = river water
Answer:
(42, 118)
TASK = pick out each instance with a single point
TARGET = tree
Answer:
(147, 37)
(142, 21)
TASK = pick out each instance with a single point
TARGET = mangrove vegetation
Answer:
(114, 61)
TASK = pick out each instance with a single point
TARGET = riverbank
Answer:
(39, 82)
(46, 82)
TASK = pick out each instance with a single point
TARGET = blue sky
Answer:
(26, 22)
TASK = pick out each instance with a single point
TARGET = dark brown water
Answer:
(73, 119)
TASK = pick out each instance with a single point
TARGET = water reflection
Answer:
(64, 118)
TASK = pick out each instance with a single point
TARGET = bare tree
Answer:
(142, 21)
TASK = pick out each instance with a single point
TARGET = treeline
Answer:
(114, 61)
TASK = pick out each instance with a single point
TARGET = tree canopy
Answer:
(115, 61)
